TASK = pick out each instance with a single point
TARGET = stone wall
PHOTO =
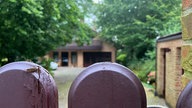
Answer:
(187, 38)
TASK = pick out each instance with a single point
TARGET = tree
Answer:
(30, 28)
(133, 25)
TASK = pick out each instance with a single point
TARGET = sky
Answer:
(89, 20)
(96, 1)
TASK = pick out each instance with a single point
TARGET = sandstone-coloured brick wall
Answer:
(169, 70)
(186, 4)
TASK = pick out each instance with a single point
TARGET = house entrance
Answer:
(65, 58)
(74, 59)
(164, 51)
(164, 72)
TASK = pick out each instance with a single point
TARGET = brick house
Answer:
(73, 55)
(169, 71)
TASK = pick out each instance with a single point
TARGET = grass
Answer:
(148, 85)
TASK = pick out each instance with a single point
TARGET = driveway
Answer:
(64, 77)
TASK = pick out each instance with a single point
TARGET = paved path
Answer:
(154, 100)
(64, 77)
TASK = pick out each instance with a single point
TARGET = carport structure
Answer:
(73, 55)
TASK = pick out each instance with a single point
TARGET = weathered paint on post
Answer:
(107, 85)
(185, 99)
(27, 85)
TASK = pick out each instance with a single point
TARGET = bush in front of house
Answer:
(46, 63)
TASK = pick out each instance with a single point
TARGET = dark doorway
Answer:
(94, 57)
(164, 51)
(164, 72)
(56, 57)
(64, 58)
(74, 58)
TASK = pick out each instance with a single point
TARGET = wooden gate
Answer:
(27, 85)
(107, 85)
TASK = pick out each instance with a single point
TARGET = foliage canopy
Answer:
(30, 28)
(133, 25)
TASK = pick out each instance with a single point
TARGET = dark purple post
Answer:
(27, 85)
(185, 98)
(107, 85)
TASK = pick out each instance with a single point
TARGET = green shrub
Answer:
(3, 61)
(46, 64)
(121, 58)
(144, 66)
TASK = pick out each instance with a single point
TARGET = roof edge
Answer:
(170, 37)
